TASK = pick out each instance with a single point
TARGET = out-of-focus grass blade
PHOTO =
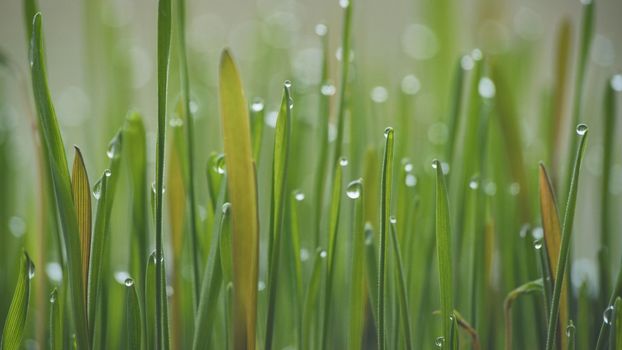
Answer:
(257, 125)
(311, 300)
(609, 124)
(56, 323)
(386, 181)
(562, 55)
(582, 131)
(57, 160)
(81, 190)
(456, 103)
(100, 235)
(164, 48)
(277, 204)
(443, 244)
(525, 289)
(371, 267)
(189, 119)
(403, 293)
(615, 340)
(15, 322)
(552, 238)
(241, 184)
(136, 158)
(354, 191)
(335, 209)
(132, 316)
(207, 312)
(150, 302)
(343, 84)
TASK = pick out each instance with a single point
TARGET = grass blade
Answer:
(164, 47)
(525, 289)
(311, 298)
(57, 160)
(150, 302)
(81, 190)
(385, 208)
(335, 209)
(277, 204)
(241, 185)
(403, 293)
(132, 316)
(552, 238)
(443, 244)
(358, 292)
(56, 324)
(345, 69)
(615, 339)
(18, 311)
(582, 132)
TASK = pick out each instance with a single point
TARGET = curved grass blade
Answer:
(56, 323)
(241, 184)
(311, 298)
(443, 244)
(525, 289)
(582, 131)
(57, 160)
(358, 291)
(185, 92)
(403, 292)
(132, 316)
(335, 209)
(164, 47)
(277, 204)
(552, 238)
(81, 190)
(385, 208)
(15, 322)
(462, 323)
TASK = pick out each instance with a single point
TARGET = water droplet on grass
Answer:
(388, 131)
(581, 129)
(608, 315)
(321, 29)
(225, 208)
(379, 94)
(31, 270)
(439, 342)
(616, 82)
(129, 282)
(17, 226)
(353, 191)
(323, 254)
(304, 254)
(114, 147)
(121, 276)
(473, 184)
(344, 3)
(257, 105)
(392, 219)
(410, 180)
(53, 296)
(570, 329)
(220, 165)
(410, 85)
(343, 161)
(54, 271)
(176, 122)
(537, 244)
(328, 90)
(261, 285)
(299, 196)
(486, 88)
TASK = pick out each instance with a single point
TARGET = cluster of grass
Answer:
(337, 226)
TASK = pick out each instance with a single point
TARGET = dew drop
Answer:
(369, 233)
(473, 184)
(194, 107)
(343, 161)
(321, 29)
(490, 188)
(97, 189)
(523, 230)
(225, 208)
(114, 147)
(53, 296)
(537, 233)
(257, 105)
(344, 3)
(388, 131)
(439, 342)
(271, 119)
(608, 315)
(379, 94)
(570, 329)
(261, 285)
(410, 85)
(287, 84)
(323, 254)
(328, 89)
(220, 165)
(537, 244)
(408, 167)
(353, 191)
(435, 164)
(616, 82)
(304, 254)
(486, 88)
(176, 122)
(54, 271)
(466, 62)
(514, 188)
(31, 269)
(392, 219)
(581, 129)
(476, 54)
(299, 196)
(129, 282)
(410, 180)
(17, 226)
(154, 190)
(121, 276)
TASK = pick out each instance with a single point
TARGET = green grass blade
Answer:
(335, 210)
(164, 47)
(403, 292)
(443, 244)
(81, 190)
(570, 335)
(134, 137)
(212, 280)
(552, 238)
(562, 58)
(57, 160)
(343, 84)
(189, 119)
(371, 267)
(56, 323)
(98, 244)
(582, 132)
(18, 310)
(615, 341)
(525, 289)
(132, 316)
(257, 126)
(311, 299)
(385, 208)
(358, 292)
(277, 204)
(241, 184)
(150, 302)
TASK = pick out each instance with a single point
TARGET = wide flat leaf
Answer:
(18, 310)
(57, 160)
(242, 188)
